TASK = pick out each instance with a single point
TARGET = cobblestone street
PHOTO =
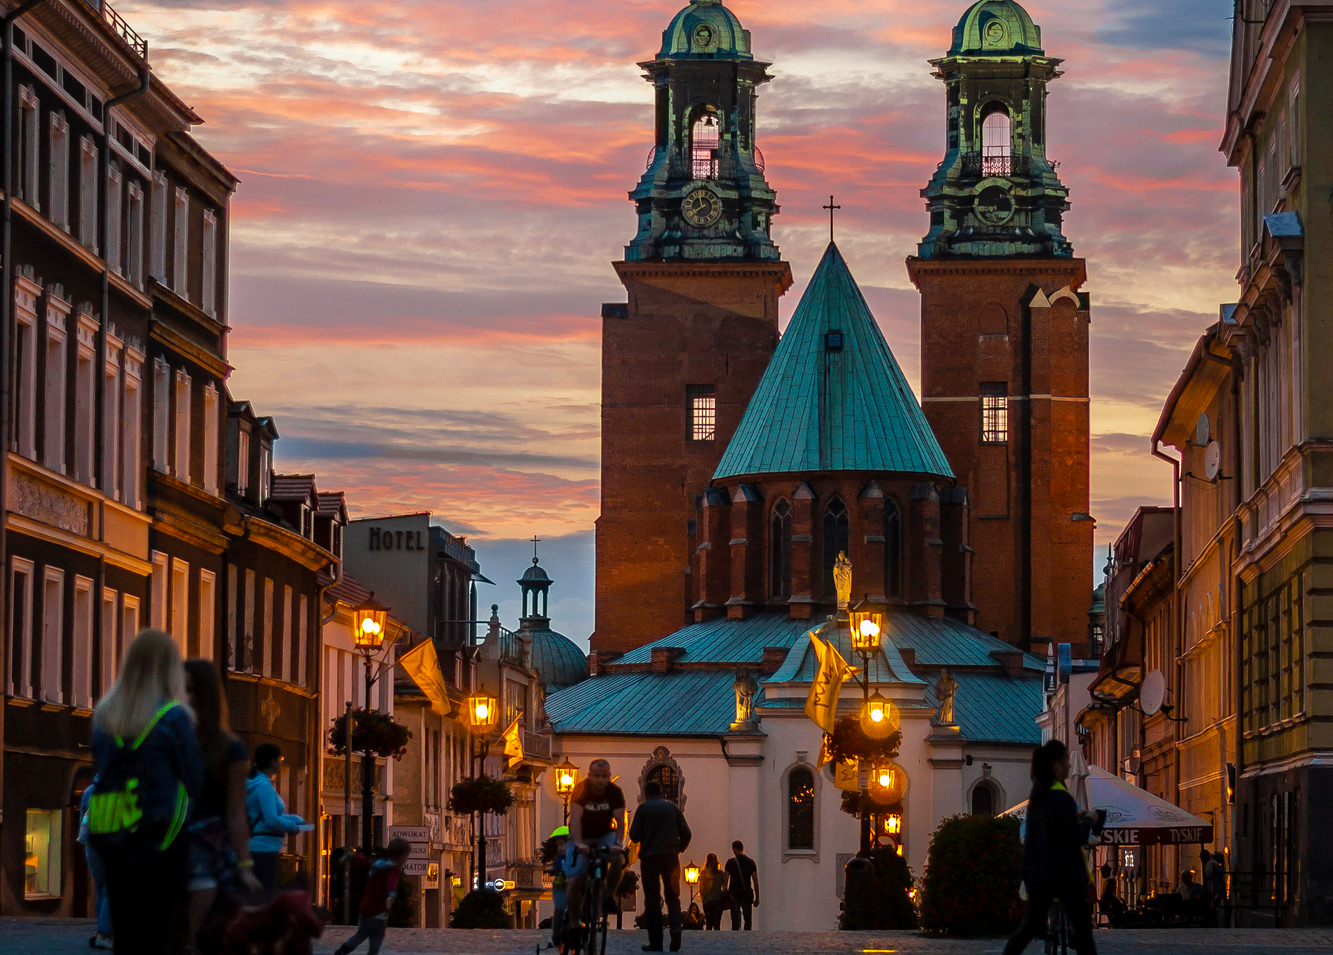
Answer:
(70, 936)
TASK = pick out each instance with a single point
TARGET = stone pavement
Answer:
(70, 937)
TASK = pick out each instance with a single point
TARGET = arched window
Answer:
(836, 537)
(800, 810)
(666, 777)
(893, 549)
(983, 799)
(705, 134)
(779, 551)
(996, 141)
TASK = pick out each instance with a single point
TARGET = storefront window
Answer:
(41, 854)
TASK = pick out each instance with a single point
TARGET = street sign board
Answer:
(418, 850)
(410, 833)
(419, 867)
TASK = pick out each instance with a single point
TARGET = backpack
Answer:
(117, 823)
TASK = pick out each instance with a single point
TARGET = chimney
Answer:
(598, 659)
(663, 657)
(773, 659)
(1011, 661)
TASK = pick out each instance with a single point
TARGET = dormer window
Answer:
(242, 461)
(265, 472)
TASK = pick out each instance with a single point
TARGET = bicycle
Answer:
(587, 935)
(1057, 930)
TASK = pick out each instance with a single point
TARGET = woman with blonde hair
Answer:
(148, 772)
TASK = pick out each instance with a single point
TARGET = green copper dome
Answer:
(996, 28)
(706, 30)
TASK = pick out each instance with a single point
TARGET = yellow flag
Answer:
(822, 703)
(513, 738)
(423, 666)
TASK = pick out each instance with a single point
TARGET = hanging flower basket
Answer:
(482, 794)
(372, 730)
(850, 742)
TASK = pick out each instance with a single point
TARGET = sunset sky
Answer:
(432, 192)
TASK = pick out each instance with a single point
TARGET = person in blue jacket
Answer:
(270, 822)
(149, 770)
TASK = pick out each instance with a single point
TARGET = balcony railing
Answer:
(120, 26)
(976, 164)
(536, 745)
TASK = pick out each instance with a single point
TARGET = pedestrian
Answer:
(660, 829)
(1214, 881)
(596, 819)
(270, 822)
(381, 891)
(711, 887)
(1189, 890)
(219, 834)
(1053, 861)
(148, 772)
(101, 938)
(742, 885)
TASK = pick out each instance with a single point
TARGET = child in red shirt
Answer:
(381, 890)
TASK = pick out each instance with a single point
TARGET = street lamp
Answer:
(566, 778)
(878, 718)
(692, 879)
(482, 714)
(370, 635)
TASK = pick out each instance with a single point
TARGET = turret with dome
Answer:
(555, 657)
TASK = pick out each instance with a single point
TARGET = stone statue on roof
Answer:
(842, 580)
(746, 687)
(945, 688)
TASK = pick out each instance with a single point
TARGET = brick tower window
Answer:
(836, 536)
(994, 412)
(779, 551)
(701, 403)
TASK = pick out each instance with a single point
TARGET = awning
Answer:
(1135, 817)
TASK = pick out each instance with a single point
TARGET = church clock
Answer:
(701, 207)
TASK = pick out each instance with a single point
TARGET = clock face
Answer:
(994, 205)
(701, 207)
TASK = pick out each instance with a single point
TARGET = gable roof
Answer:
(825, 408)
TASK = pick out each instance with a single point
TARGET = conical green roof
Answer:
(830, 401)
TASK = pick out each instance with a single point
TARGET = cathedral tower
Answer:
(1004, 334)
(682, 357)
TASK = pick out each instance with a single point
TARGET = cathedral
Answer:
(738, 464)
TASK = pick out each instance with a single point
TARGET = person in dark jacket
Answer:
(660, 829)
(1053, 862)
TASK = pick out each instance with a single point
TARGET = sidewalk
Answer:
(70, 937)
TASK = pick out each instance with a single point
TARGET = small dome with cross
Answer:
(706, 30)
(996, 27)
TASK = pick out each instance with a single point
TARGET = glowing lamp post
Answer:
(369, 633)
(482, 713)
(566, 778)
(692, 879)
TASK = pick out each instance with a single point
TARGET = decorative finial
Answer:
(535, 541)
(832, 207)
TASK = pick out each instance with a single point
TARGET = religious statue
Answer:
(945, 688)
(746, 687)
(842, 580)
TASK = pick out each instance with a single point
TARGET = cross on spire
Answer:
(832, 207)
(535, 541)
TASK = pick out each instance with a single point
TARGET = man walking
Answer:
(743, 884)
(660, 829)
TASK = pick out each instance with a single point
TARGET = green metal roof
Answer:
(705, 30)
(557, 659)
(833, 397)
(994, 708)
(727, 641)
(680, 703)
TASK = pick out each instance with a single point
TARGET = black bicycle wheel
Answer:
(593, 919)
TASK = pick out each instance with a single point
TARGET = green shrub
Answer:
(481, 908)
(890, 899)
(973, 868)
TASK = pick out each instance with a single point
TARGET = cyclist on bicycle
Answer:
(1053, 861)
(596, 817)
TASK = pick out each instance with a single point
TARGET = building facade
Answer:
(1004, 334)
(1278, 138)
(114, 308)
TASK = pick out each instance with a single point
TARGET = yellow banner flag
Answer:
(822, 703)
(423, 666)
(513, 739)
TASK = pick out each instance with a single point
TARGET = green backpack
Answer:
(116, 822)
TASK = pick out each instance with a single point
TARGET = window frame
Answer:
(701, 413)
(993, 405)
(788, 850)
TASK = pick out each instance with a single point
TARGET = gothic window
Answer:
(836, 536)
(994, 412)
(893, 549)
(801, 810)
(704, 139)
(983, 799)
(662, 769)
(701, 402)
(779, 551)
(996, 141)
(667, 778)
